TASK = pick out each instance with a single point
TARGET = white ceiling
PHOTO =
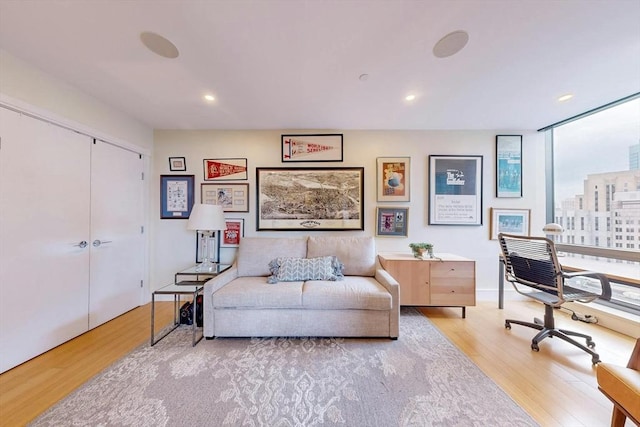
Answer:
(294, 64)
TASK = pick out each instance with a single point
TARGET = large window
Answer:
(596, 180)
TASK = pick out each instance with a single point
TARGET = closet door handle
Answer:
(98, 242)
(83, 244)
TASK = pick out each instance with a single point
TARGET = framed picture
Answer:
(177, 164)
(225, 169)
(232, 197)
(392, 221)
(176, 196)
(455, 190)
(310, 198)
(312, 148)
(233, 234)
(392, 179)
(509, 166)
(512, 221)
(200, 247)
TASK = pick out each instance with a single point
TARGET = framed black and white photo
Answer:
(455, 190)
(392, 222)
(233, 197)
(509, 166)
(510, 221)
(176, 196)
(177, 164)
(310, 198)
(312, 148)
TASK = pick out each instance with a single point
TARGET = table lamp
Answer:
(207, 219)
(552, 229)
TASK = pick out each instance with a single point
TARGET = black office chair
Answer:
(532, 267)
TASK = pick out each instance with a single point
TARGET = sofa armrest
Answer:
(385, 279)
(211, 287)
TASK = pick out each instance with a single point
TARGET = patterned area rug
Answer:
(419, 380)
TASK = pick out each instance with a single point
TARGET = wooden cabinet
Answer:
(447, 280)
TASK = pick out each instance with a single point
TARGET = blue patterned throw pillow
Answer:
(300, 269)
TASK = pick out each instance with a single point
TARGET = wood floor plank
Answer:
(558, 373)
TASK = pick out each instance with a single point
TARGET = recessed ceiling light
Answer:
(159, 45)
(410, 97)
(451, 44)
(564, 98)
(209, 98)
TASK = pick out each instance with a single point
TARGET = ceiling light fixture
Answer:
(209, 98)
(451, 44)
(159, 45)
(363, 77)
(410, 97)
(564, 98)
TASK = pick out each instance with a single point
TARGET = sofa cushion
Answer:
(295, 269)
(255, 292)
(357, 253)
(354, 292)
(255, 253)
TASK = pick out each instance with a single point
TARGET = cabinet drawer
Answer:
(453, 283)
(453, 270)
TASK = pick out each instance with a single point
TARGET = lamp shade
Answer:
(206, 217)
(553, 229)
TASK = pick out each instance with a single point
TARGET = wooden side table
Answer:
(447, 280)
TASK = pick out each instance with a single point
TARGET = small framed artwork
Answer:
(225, 169)
(200, 246)
(232, 197)
(312, 148)
(176, 196)
(455, 190)
(509, 166)
(177, 164)
(233, 234)
(511, 221)
(393, 179)
(392, 221)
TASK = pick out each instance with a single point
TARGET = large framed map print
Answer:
(310, 198)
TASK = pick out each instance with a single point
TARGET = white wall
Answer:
(23, 82)
(29, 89)
(174, 246)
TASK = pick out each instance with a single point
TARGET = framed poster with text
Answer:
(455, 190)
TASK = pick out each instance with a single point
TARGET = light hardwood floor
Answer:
(557, 386)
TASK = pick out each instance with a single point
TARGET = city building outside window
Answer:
(600, 151)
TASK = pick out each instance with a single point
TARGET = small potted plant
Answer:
(419, 249)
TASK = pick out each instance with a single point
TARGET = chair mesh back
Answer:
(530, 260)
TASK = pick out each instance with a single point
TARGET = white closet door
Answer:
(117, 262)
(44, 215)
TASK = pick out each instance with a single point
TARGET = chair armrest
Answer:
(215, 283)
(604, 281)
(385, 279)
(210, 287)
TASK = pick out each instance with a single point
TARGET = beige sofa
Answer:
(241, 303)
